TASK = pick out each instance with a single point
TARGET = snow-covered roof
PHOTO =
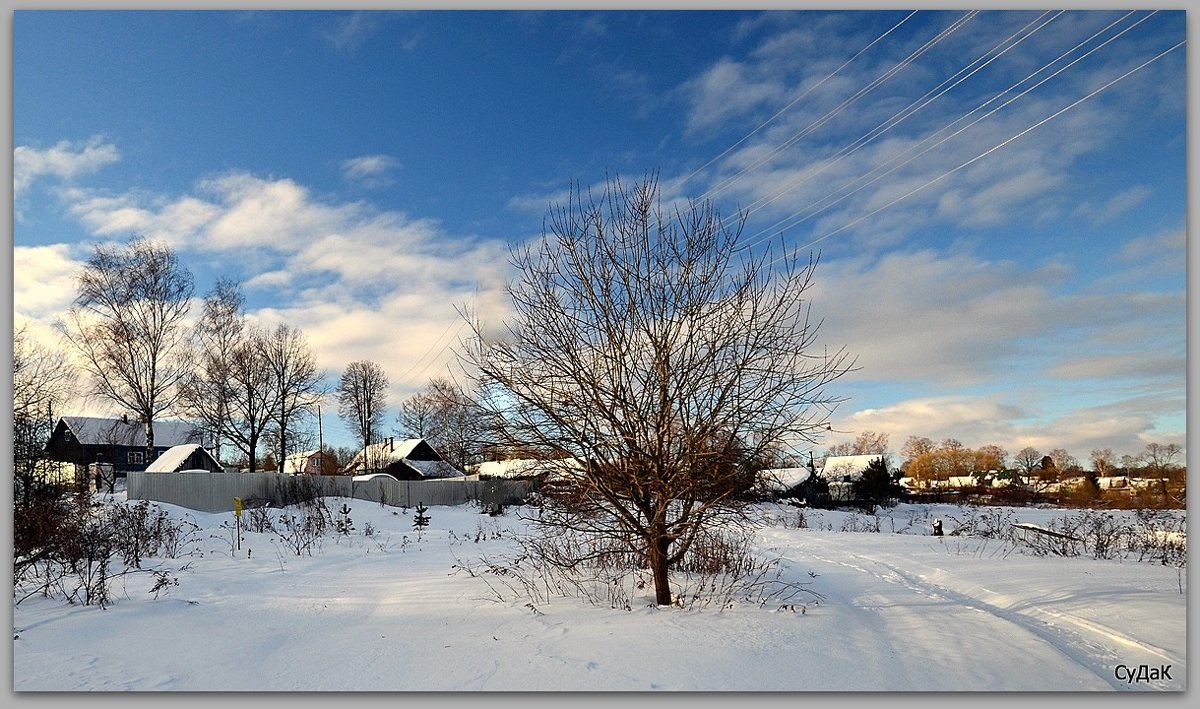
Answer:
(434, 468)
(386, 452)
(523, 467)
(97, 430)
(837, 466)
(298, 462)
(173, 458)
(416, 453)
(783, 479)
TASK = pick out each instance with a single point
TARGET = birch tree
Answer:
(362, 399)
(127, 325)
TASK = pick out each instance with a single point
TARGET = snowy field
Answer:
(899, 610)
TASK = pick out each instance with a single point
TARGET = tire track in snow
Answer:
(1090, 653)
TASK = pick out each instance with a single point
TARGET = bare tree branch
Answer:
(642, 346)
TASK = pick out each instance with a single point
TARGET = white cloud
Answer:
(726, 89)
(1167, 245)
(370, 170)
(43, 280)
(931, 318)
(352, 31)
(1117, 205)
(359, 282)
(65, 160)
(1125, 425)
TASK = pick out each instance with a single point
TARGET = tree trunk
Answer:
(149, 441)
(659, 547)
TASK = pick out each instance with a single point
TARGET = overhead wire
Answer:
(824, 204)
(830, 115)
(911, 109)
(987, 152)
(407, 376)
(800, 98)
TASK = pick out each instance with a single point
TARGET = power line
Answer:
(990, 150)
(907, 112)
(874, 84)
(801, 97)
(406, 376)
(797, 217)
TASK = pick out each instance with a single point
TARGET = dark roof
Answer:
(95, 430)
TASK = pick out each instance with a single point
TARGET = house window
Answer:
(136, 457)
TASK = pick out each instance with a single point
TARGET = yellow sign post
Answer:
(237, 513)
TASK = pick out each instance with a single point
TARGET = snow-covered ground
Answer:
(900, 610)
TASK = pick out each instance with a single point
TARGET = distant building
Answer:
(409, 459)
(842, 471)
(117, 442)
(526, 468)
(189, 456)
(846, 468)
(307, 463)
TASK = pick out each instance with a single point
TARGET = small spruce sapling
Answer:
(343, 524)
(420, 519)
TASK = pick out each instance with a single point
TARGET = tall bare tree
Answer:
(362, 399)
(448, 418)
(42, 508)
(250, 394)
(642, 347)
(865, 443)
(127, 323)
(915, 446)
(1103, 460)
(215, 337)
(1028, 459)
(296, 382)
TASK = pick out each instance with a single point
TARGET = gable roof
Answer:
(97, 430)
(174, 458)
(837, 466)
(299, 462)
(783, 479)
(529, 467)
(415, 453)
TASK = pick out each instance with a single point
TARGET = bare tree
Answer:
(1064, 462)
(127, 323)
(915, 446)
(1102, 461)
(1028, 459)
(1159, 458)
(866, 443)
(43, 512)
(249, 391)
(419, 416)
(643, 348)
(448, 419)
(42, 380)
(362, 399)
(215, 337)
(991, 457)
(295, 379)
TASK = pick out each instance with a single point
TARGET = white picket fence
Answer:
(216, 492)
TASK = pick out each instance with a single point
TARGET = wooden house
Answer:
(117, 442)
(410, 459)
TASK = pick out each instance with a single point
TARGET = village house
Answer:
(116, 445)
(312, 462)
(189, 456)
(409, 459)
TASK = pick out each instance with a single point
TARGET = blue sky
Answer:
(999, 198)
